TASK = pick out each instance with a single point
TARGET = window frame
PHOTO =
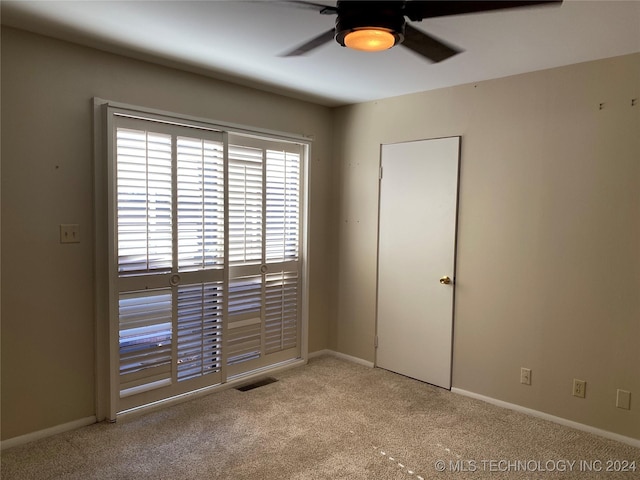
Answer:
(105, 207)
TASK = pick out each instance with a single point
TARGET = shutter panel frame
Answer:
(256, 231)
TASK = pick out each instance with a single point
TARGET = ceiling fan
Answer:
(379, 25)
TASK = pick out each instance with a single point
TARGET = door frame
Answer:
(455, 247)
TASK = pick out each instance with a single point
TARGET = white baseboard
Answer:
(343, 356)
(634, 442)
(47, 432)
(318, 353)
(83, 422)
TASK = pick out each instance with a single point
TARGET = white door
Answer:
(416, 258)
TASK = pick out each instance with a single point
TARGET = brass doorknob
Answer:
(445, 280)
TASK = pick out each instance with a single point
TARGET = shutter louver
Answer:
(200, 176)
(244, 327)
(144, 201)
(199, 329)
(245, 204)
(283, 206)
(145, 340)
(281, 311)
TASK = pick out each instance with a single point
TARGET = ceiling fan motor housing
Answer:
(356, 15)
(373, 26)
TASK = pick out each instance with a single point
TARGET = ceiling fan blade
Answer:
(426, 45)
(319, 7)
(311, 44)
(418, 9)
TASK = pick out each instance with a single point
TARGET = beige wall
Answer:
(549, 233)
(47, 179)
(549, 240)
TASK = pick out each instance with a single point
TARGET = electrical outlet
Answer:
(623, 399)
(525, 376)
(579, 388)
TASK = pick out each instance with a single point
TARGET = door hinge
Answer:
(375, 341)
(380, 173)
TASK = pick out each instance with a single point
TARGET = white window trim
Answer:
(105, 397)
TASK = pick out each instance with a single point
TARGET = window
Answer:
(205, 263)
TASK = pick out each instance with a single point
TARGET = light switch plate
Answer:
(70, 233)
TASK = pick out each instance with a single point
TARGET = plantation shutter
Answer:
(144, 201)
(246, 196)
(282, 292)
(199, 330)
(145, 340)
(246, 200)
(205, 265)
(283, 206)
(200, 176)
(170, 258)
(200, 241)
(264, 243)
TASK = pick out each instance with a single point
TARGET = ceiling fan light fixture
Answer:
(370, 39)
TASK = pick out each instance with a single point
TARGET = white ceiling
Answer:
(241, 41)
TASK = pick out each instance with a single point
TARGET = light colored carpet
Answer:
(328, 420)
